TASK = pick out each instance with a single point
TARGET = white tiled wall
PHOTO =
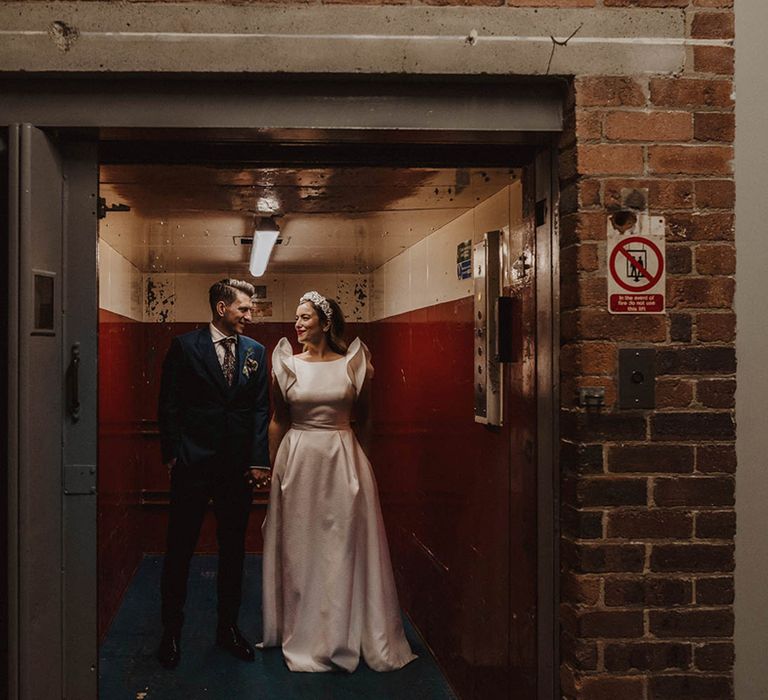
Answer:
(120, 284)
(184, 297)
(425, 274)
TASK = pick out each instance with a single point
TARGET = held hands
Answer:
(258, 477)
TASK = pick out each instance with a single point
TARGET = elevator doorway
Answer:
(384, 241)
(406, 155)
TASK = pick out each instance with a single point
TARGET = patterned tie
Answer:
(228, 365)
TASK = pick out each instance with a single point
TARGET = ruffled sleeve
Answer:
(283, 367)
(359, 367)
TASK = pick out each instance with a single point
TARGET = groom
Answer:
(213, 414)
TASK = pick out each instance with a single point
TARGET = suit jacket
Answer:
(201, 418)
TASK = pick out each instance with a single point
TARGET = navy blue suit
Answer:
(215, 432)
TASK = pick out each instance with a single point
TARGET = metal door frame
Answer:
(75, 104)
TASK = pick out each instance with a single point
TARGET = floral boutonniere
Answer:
(250, 365)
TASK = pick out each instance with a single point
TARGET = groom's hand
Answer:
(258, 477)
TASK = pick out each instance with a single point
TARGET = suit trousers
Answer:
(192, 487)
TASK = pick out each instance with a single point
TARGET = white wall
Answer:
(752, 353)
(120, 284)
(184, 297)
(425, 274)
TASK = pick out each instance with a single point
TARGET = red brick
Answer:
(584, 226)
(691, 687)
(691, 623)
(589, 193)
(647, 656)
(694, 491)
(692, 557)
(696, 360)
(670, 194)
(712, 25)
(647, 591)
(716, 393)
(716, 259)
(709, 226)
(598, 324)
(588, 125)
(590, 358)
(680, 328)
(584, 291)
(715, 126)
(627, 425)
(584, 590)
(690, 160)
(610, 160)
(713, 59)
(713, 459)
(701, 293)
(673, 393)
(580, 653)
(649, 458)
(679, 259)
(609, 92)
(715, 590)
(716, 525)
(581, 459)
(611, 624)
(648, 126)
(716, 327)
(646, 3)
(612, 491)
(606, 688)
(649, 524)
(551, 3)
(715, 194)
(580, 524)
(601, 558)
(691, 92)
(714, 656)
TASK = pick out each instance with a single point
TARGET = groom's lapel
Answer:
(210, 360)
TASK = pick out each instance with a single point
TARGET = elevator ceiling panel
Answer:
(190, 218)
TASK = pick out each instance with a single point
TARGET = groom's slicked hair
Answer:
(226, 290)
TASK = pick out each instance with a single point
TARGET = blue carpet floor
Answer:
(128, 669)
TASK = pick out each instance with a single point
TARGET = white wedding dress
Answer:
(329, 593)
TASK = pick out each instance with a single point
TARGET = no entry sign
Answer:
(636, 275)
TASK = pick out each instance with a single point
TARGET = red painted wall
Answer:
(460, 517)
(121, 343)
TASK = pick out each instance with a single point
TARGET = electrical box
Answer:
(487, 272)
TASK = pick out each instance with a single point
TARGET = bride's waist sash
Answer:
(321, 426)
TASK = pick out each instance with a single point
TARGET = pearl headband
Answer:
(318, 300)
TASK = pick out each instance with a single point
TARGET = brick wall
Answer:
(648, 516)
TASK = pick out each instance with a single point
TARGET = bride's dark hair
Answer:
(335, 333)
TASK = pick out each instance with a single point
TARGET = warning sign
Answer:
(636, 275)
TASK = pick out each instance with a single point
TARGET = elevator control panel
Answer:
(637, 378)
(487, 274)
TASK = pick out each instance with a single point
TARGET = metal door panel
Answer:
(79, 439)
(52, 575)
(39, 203)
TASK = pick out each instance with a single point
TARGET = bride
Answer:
(329, 592)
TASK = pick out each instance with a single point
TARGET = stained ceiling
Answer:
(189, 218)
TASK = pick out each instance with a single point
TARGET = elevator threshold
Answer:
(128, 669)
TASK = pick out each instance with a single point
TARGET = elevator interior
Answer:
(387, 241)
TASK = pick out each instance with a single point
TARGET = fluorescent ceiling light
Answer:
(264, 239)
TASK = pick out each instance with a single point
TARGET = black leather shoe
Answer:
(169, 653)
(230, 639)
